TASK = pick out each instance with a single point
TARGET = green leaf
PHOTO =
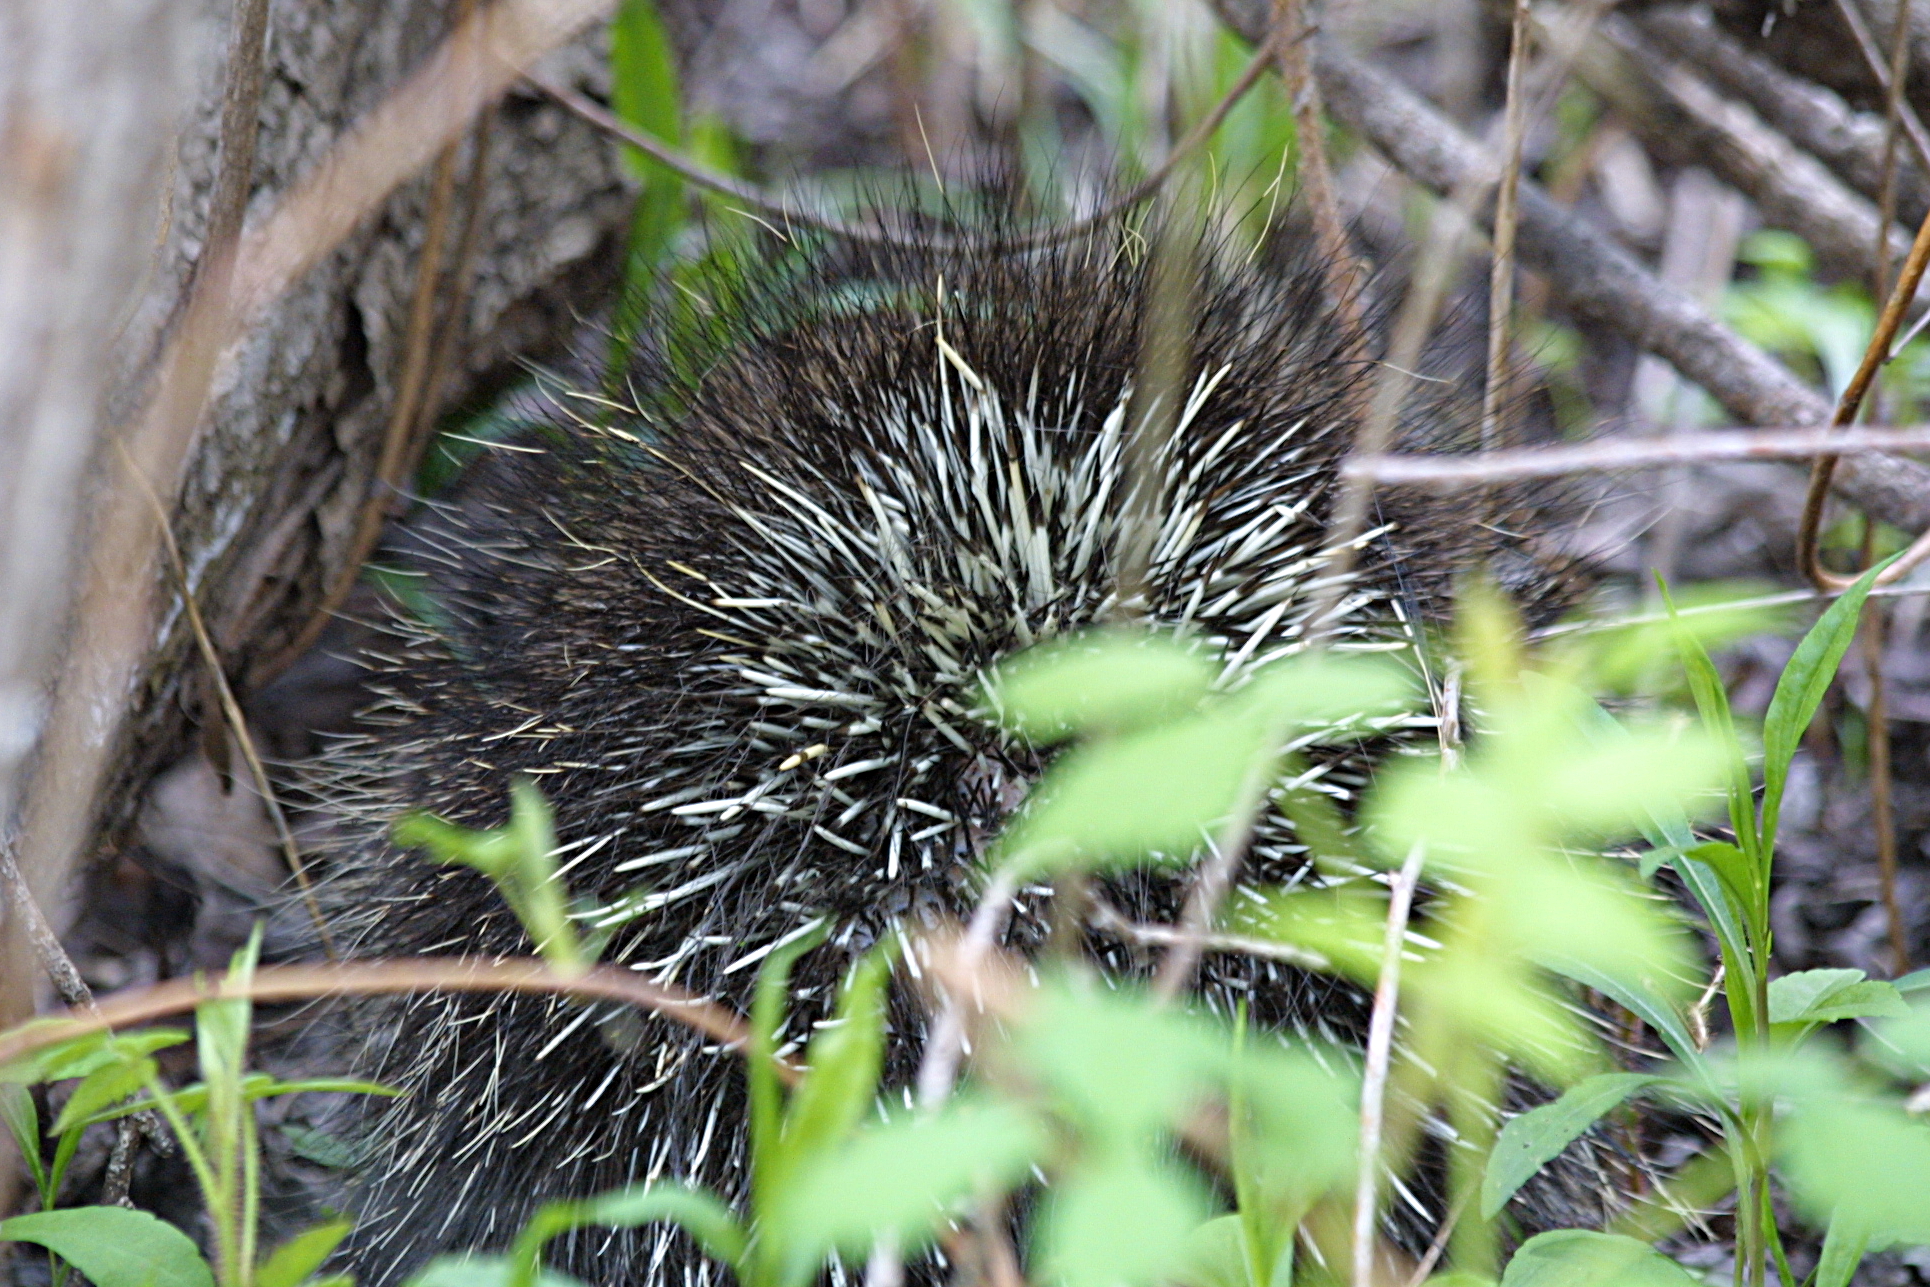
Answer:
(1215, 1255)
(23, 1123)
(104, 1086)
(1535, 1138)
(767, 1016)
(1119, 1066)
(82, 1055)
(1580, 1258)
(1100, 680)
(1825, 996)
(1916, 981)
(697, 1211)
(1800, 691)
(293, 1261)
(115, 1246)
(845, 1060)
(1858, 1158)
(1653, 1010)
(1712, 702)
(1740, 876)
(1156, 794)
(904, 1176)
(254, 1086)
(1116, 1220)
(1843, 1246)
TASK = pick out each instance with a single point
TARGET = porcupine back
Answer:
(734, 639)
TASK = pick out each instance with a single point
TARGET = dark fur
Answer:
(581, 652)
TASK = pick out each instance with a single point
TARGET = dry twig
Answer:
(1616, 454)
(273, 983)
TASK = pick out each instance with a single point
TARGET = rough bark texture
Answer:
(284, 460)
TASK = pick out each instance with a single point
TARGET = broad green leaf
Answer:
(293, 1261)
(105, 1086)
(1800, 691)
(1102, 680)
(84, 1054)
(1321, 690)
(1580, 1258)
(1916, 981)
(1305, 1120)
(1153, 794)
(1535, 1138)
(643, 90)
(1860, 1159)
(115, 1246)
(1215, 1256)
(1120, 1067)
(1843, 1246)
(1116, 1221)
(1824, 996)
(905, 1176)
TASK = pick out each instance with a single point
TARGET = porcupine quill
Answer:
(734, 635)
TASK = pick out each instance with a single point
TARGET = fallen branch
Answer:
(1600, 282)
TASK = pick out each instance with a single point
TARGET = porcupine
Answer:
(734, 635)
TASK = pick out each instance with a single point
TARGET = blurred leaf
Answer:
(1121, 1067)
(768, 1161)
(1118, 1222)
(1580, 1258)
(1322, 690)
(293, 1261)
(1843, 1246)
(194, 1098)
(905, 1176)
(1800, 691)
(85, 1054)
(1535, 1138)
(115, 1246)
(1105, 680)
(696, 1211)
(1152, 794)
(1916, 981)
(23, 1123)
(1858, 1158)
(105, 1086)
(1345, 922)
(1645, 1002)
(845, 1059)
(1215, 1256)
(1305, 1124)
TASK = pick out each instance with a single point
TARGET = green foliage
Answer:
(115, 1247)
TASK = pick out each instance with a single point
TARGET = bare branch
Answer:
(1612, 454)
(385, 978)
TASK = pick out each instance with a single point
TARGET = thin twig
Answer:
(1615, 454)
(1215, 878)
(272, 983)
(1379, 1055)
(1437, 263)
(1107, 919)
(786, 214)
(75, 994)
(1501, 270)
(231, 711)
(1872, 56)
(1874, 356)
(938, 1067)
(1344, 273)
